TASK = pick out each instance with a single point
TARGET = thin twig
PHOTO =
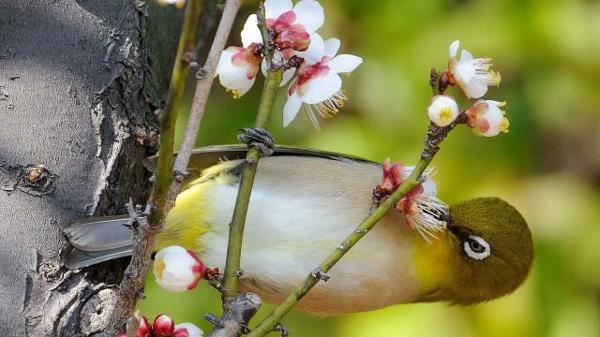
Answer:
(205, 78)
(131, 287)
(434, 136)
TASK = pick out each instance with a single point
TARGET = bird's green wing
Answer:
(99, 239)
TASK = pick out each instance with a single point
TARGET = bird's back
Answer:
(301, 209)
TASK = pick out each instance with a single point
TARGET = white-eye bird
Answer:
(303, 204)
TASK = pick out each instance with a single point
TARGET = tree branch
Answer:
(236, 228)
(205, 78)
(132, 284)
(435, 135)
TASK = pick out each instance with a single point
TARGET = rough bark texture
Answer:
(79, 83)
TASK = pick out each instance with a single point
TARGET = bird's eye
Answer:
(476, 247)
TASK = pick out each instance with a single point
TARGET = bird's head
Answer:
(486, 253)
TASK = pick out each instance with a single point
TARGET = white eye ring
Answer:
(479, 254)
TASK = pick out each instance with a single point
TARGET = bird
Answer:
(303, 204)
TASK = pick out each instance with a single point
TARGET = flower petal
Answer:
(310, 14)
(188, 330)
(453, 49)
(274, 8)
(315, 51)
(465, 55)
(291, 109)
(332, 45)
(464, 71)
(232, 77)
(251, 34)
(476, 87)
(322, 88)
(287, 76)
(344, 63)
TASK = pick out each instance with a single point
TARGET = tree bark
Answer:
(79, 85)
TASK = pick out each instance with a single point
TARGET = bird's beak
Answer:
(446, 217)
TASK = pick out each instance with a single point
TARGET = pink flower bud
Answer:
(163, 326)
(487, 119)
(144, 330)
(177, 269)
(187, 330)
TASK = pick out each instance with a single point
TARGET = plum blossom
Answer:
(187, 330)
(472, 75)
(292, 28)
(317, 85)
(177, 269)
(442, 110)
(164, 326)
(421, 207)
(487, 119)
(238, 67)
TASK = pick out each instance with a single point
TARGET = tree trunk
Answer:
(79, 85)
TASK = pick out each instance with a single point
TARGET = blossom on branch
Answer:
(487, 119)
(164, 326)
(187, 330)
(442, 110)
(472, 75)
(291, 28)
(317, 85)
(421, 207)
(177, 269)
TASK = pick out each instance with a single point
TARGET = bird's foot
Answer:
(320, 274)
(137, 216)
(281, 329)
(258, 138)
(214, 320)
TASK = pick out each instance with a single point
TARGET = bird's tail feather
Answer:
(96, 240)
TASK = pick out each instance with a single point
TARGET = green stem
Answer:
(313, 278)
(187, 44)
(236, 227)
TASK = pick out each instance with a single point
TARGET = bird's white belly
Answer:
(288, 234)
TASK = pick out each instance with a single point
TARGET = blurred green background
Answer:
(548, 165)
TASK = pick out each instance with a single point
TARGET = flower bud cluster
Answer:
(473, 76)
(164, 326)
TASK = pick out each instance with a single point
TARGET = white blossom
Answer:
(292, 27)
(187, 330)
(472, 75)
(177, 269)
(442, 110)
(318, 86)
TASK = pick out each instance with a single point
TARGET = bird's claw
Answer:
(319, 274)
(258, 138)
(214, 320)
(281, 329)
